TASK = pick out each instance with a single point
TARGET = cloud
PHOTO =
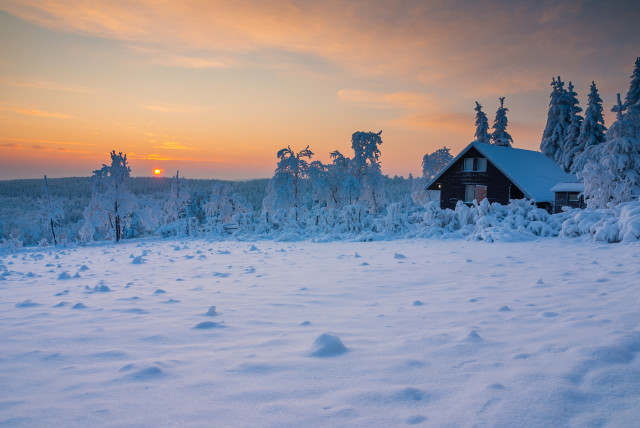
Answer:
(29, 140)
(415, 39)
(159, 157)
(41, 84)
(36, 112)
(385, 99)
(174, 145)
(11, 145)
(461, 124)
(57, 149)
(171, 108)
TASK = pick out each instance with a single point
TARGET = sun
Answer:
(157, 171)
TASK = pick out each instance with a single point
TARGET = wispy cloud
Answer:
(159, 157)
(41, 84)
(174, 145)
(457, 123)
(36, 112)
(39, 141)
(57, 149)
(10, 145)
(172, 108)
(385, 99)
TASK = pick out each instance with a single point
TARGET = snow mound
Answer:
(205, 325)
(64, 275)
(27, 304)
(211, 312)
(327, 345)
(137, 260)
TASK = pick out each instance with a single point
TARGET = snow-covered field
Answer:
(424, 332)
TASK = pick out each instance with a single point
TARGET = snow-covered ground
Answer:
(423, 332)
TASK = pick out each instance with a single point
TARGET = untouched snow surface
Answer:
(428, 333)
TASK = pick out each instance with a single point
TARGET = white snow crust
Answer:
(453, 333)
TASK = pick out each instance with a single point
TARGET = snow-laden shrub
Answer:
(612, 224)
(396, 220)
(629, 222)
(485, 221)
(11, 244)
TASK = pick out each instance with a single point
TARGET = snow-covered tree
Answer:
(111, 203)
(50, 210)
(320, 188)
(558, 120)
(633, 95)
(612, 174)
(174, 208)
(571, 145)
(365, 168)
(482, 126)
(223, 204)
(500, 136)
(285, 188)
(433, 163)
(592, 131)
(345, 189)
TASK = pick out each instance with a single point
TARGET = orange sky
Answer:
(216, 89)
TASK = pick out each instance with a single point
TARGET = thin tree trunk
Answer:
(55, 242)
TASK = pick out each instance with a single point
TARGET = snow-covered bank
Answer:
(392, 333)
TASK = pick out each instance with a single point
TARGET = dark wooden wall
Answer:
(453, 181)
(562, 200)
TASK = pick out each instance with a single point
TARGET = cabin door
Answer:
(481, 193)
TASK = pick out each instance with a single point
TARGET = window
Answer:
(468, 164)
(469, 192)
(573, 197)
(474, 164)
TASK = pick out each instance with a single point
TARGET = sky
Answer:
(214, 89)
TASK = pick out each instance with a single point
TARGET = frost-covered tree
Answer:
(50, 211)
(482, 126)
(558, 120)
(612, 174)
(633, 95)
(111, 203)
(365, 168)
(345, 189)
(320, 187)
(433, 163)
(592, 131)
(285, 188)
(174, 208)
(223, 204)
(500, 136)
(571, 145)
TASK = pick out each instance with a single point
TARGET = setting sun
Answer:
(157, 171)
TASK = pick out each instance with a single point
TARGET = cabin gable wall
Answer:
(453, 183)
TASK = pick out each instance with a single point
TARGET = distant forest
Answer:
(19, 198)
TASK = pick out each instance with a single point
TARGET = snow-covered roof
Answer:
(568, 187)
(533, 172)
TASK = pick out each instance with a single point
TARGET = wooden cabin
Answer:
(568, 195)
(498, 174)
